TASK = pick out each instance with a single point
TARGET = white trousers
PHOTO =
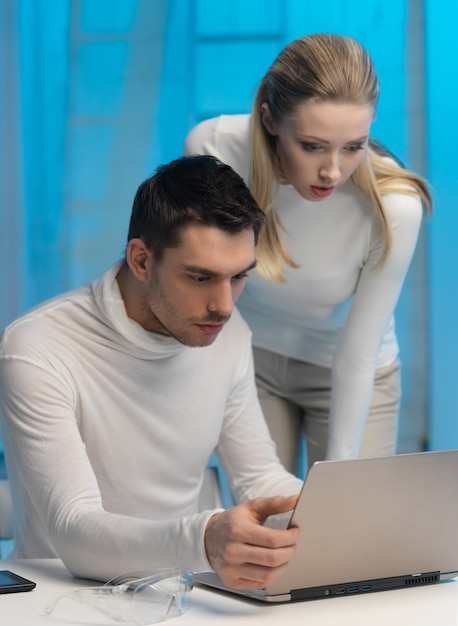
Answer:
(295, 397)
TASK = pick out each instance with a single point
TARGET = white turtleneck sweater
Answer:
(108, 429)
(335, 310)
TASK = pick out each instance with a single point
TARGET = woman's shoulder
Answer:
(401, 204)
(404, 205)
(226, 137)
(394, 177)
(400, 197)
(237, 125)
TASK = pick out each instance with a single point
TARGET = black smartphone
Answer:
(12, 583)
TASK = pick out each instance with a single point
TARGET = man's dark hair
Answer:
(195, 189)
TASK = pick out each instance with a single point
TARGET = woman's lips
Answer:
(322, 192)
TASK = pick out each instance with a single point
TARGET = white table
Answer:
(434, 605)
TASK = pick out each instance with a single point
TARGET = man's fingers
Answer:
(263, 507)
(271, 538)
(245, 553)
(251, 576)
(268, 557)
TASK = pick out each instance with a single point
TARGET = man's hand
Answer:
(245, 554)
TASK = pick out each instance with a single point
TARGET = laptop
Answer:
(369, 525)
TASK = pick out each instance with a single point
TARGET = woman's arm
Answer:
(374, 302)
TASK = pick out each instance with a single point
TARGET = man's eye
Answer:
(199, 279)
(240, 276)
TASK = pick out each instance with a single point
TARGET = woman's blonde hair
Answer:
(318, 68)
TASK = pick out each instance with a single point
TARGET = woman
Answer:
(342, 224)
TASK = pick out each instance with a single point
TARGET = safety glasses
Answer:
(136, 597)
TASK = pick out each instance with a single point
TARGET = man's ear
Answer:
(138, 257)
(267, 121)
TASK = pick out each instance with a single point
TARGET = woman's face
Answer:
(320, 145)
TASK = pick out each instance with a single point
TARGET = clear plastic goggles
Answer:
(136, 597)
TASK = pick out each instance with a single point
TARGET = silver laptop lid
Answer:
(371, 519)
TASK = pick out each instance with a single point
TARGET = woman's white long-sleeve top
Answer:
(108, 429)
(336, 309)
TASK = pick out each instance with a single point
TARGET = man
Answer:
(111, 409)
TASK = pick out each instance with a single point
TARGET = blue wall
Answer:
(442, 140)
(107, 89)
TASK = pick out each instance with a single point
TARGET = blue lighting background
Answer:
(95, 94)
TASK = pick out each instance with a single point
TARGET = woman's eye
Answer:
(310, 147)
(355, 147)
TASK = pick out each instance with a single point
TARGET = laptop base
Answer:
(365, 586)
(210, 580)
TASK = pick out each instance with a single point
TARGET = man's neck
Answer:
(131, 290)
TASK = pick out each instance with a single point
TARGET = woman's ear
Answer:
(138, 256)
(267, 121)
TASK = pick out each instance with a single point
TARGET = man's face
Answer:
(190, 293)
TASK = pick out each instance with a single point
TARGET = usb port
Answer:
(352, 589)
(365, 587)
(340, 591)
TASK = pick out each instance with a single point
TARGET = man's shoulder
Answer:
(71, 309)
(39, 324)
